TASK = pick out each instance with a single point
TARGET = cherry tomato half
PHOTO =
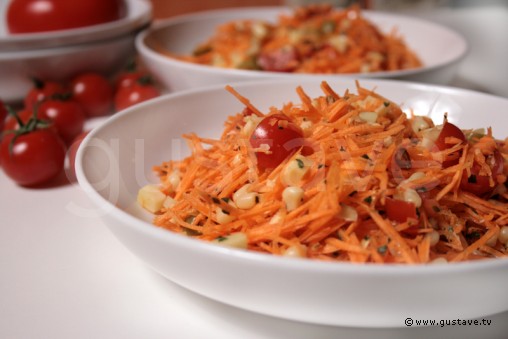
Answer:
(34, 158)
(134, 94)
(41, 91)
(400, 210)
(67, 115)
(94, 92)
(279, 60)
(282, 136)
(449, 130)
(27, 16)
(480, 184)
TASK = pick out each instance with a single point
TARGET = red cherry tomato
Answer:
(3, 115)
(449, 130)
(41, 91)
(73, 149)
(134, 94)
(94, 92)
(67, 115)
(480, 184)
(127, 79)
(26, 16)
(400, 210)
(36, 157)
(282, 136)
(279, 60)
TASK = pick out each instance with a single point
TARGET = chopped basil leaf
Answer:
(382, 249)
(300, 163)
(220, 238)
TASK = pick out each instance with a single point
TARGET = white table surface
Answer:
(63, 275)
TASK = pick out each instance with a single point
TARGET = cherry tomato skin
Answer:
(283, 137)
(73, 149)
(449, 130)
(27, 16)
(399, 210)
(41, 91)
(134, 94)
(67, 115)
(94, 92)
(480, 184)
(36, 158)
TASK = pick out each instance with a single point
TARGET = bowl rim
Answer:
(158, 25)
(10, 56)
(138, 16)
(292, 264)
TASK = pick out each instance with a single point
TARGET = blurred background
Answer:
(482, 22)
(166, 8)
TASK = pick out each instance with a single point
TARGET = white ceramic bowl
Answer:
(115, 160)
(61, 55)
(138, 15)
(440, 48)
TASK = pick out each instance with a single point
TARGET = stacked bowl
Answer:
(58, 55)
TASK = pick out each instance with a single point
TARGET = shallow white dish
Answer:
(440, 48)
(138, 15)
(115, 160)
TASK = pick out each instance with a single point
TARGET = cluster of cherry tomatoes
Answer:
(36, 139)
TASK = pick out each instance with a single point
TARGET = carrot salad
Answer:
(315, 39)
(341, 177)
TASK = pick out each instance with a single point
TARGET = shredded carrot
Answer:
(315, 39)
(372, 189)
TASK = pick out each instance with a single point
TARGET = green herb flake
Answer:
(216, 200)
(436, 209)
(320, 166)
(365, 156)
(472, 179)
(226, 199)
(386, 103)
(382, 249)
(300, 163)
(225, 212)
(220, 238)
(352, 193)
(368, 200)
(328, 27)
